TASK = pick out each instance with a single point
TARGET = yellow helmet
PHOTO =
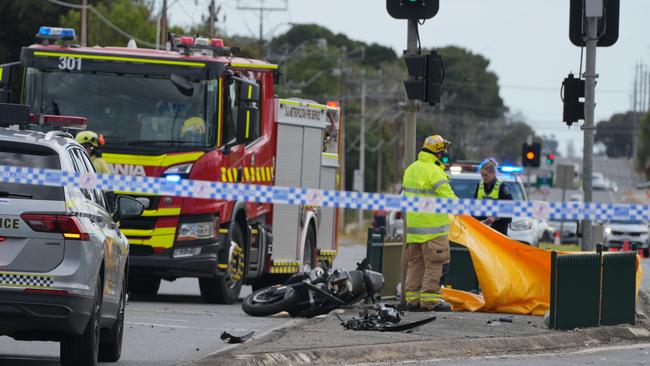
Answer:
(193, 125)
(436, 144)
(89, 137)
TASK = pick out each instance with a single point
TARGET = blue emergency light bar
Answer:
(66, 34)
(511, 169)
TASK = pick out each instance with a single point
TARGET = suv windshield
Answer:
(465, 188)
(134, 112)
(32, 156)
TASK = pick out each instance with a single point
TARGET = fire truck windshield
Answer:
(134, 112)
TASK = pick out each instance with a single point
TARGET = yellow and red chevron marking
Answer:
(249, 174)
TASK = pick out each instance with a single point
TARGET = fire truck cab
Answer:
(195, 112)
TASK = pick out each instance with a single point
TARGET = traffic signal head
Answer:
(531, 154)
(550, 158)
(427, 76)
(607, 24)
(572, 90)
(412, 9)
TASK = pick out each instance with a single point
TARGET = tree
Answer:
(20, 22)
(476, 88)
(617, 134)
(135, 17)
(300, 34)
(643, 146)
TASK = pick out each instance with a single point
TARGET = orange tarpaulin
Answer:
(514, 277)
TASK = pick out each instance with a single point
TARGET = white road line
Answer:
(175, 326)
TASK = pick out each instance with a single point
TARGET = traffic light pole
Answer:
(590, 105)
(409, 139)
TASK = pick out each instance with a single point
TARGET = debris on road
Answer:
(229, 338)
(383, 318)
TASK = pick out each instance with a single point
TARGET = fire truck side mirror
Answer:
(247, 122)
(249, 92)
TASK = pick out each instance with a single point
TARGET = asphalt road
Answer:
(172, 328)
(169, 329)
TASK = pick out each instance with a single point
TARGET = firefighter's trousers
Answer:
(424, 270)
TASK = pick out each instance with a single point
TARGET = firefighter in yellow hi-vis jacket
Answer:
(427, 241)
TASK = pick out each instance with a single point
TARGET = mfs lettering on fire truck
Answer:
(127, 169)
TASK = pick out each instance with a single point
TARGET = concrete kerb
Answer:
(260, 352)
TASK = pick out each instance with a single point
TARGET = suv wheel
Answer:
(110, 342)
(83, 349)
(226, 289)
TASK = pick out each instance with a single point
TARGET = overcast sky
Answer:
(526, 41)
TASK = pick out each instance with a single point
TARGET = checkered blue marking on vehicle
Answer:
(343, 199)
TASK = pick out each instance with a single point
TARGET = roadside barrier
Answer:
(592, 289)
(326, 198)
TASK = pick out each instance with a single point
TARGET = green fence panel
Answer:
(461, 274)
(374, 248)
(619, 288)
(575, 290)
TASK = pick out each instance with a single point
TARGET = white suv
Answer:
(62, 256)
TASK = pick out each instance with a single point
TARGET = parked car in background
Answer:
(395, 225)
(568, 231)
(634, 232)
(599, 182)
(643, 185)
(528, 230)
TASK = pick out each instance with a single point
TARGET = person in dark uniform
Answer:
(493, 189)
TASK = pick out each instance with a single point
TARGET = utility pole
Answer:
(343, 95)
(590, 105)
(84, 23)
(362, 144)
(261, 8)
(211, 18)
(409, 141)
(163, 24)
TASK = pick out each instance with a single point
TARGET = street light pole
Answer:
(590, 105)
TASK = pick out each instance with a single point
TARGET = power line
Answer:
(103, 19)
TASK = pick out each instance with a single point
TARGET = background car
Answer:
(634, 232)
(395, 225)
(568, 231)
(63, 258)
(599, 182)
(523, 229)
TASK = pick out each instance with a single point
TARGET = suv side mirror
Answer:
(127, 207)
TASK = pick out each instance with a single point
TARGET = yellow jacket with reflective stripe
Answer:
(494, 194)
(426, 178)
(100, 165)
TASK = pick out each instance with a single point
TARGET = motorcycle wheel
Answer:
(269, 301)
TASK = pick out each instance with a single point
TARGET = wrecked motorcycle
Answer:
(315, 292)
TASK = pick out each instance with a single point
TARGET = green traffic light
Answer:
(445, 159)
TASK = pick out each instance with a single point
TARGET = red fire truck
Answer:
(195, 112)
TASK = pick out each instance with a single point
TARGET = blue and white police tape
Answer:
(326, 198)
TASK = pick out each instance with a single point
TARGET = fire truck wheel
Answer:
(225, 290)
(310, 256)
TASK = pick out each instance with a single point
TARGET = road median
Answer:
(323, 341)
